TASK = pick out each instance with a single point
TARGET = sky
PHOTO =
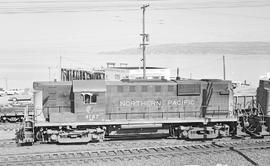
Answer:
(35, 33)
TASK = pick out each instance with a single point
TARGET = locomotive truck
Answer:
(91, 110)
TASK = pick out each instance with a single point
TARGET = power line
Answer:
(16, 9)
(203, 63)
(230, 14)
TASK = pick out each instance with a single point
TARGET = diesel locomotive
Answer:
(91, 110)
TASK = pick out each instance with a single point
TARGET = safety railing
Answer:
(164, 115)
(241, 102)
(57, 108)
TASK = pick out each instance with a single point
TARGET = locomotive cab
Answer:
(89, 100)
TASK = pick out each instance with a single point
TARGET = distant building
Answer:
(236, 84)
(118, 73)
(2, 92)
(80, 74)
(265, 77)
(115, 73)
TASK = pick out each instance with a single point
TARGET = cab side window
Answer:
(89, 98)
(94, 98)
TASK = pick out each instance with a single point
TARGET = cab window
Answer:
(89, 98)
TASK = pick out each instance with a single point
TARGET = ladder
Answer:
(25, 135)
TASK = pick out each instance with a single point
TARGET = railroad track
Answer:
(7, 134)
(93, 156)
(9, 126)
(7, 143)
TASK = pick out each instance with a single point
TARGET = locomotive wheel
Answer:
(39, 136)
(251, 118)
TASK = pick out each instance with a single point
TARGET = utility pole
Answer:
(177, 76)
(224, 71)
(49, 73)
(6, 81)
(60, 66)
(144, 39)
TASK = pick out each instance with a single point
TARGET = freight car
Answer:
(263, 102)
(11, 114)
(90, 110)
(13, 111)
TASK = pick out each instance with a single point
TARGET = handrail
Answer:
(217, 112)
(180, 114)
